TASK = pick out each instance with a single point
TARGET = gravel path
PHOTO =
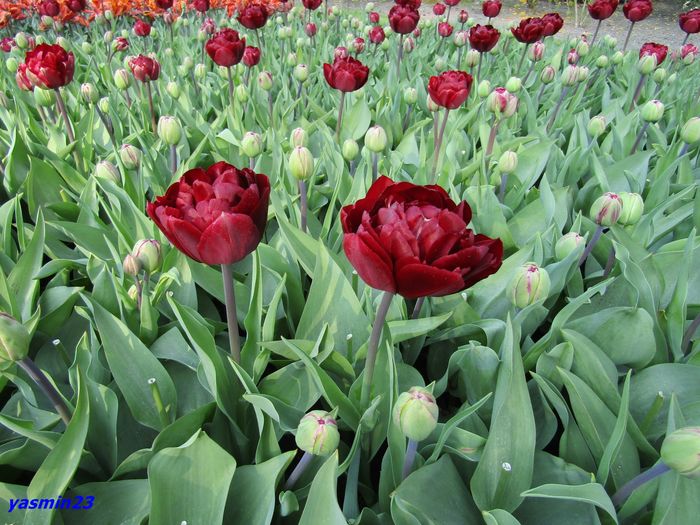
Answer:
(661, 26)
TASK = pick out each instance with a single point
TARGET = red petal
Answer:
(369, 265)
(228, 239)
(421, 280)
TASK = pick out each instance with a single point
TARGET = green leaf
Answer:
(125, 502)
(405, 329)
(592, 493)
(322, 504)
(612, 449)
(499, 517)
(21, 278)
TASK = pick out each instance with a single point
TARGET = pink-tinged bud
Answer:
(572, 57)
(606, 210)
(408, 45)
(570, 76)
(461, 38)
(444, 29)
(632, 208)
(317, 433)
(463, 16)
(652, 111)
(529, 285)
(416, 413)
(417, 32)
(374, 17)
(358, 45)
(472, 58)
(340, 52)
(536, 51)
(131, 265)
(148, 253)
(311, 29)
(567, 244)
(688, 53)
(502, 103)
(547, 75)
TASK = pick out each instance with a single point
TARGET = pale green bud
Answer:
(11, 64)
(416, 413)
(241, 93)
(200, 71)
(632, 208)
(410, 95)
(265, 80)
(652, 111)
(350, 150)
(508, 162)
(169, 130)
(514, 84)
(131, 156)
(301, 163)
(89, 93)
(376, 139)
(106, 170)
(547, 75)
(646, 64)
(317, 433)
(14, 340)
(298, 137)
(617, 58)
(660, 75)
(122, 79)
(301, 73)
(602, 61)
(529, 285)
(472, 58)
(44, 97)
(251, 144)
(131, 265)
(596, 126)
(681, 451)
(567, 244)
(483, 90)
(690, 132)
(148, 253)
(103, 104)
(173, 89)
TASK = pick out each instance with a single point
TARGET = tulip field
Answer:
(326, 263)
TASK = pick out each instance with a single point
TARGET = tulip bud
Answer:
(529, 285)
(350, 150)
(416, 413)
(689, 58)
(483, 90)
(582, 48)
(385, 45)
(672, 79)
(660, 75)
(22, 41)
(89, 93)
(375, 139)
(646, 64)
(652, 111)
(610, 41)
(461, 38)
(103, 104)
(131, 265)
(602, 61)
(606, 209)
(681, 451)
(241, 93)
(86, 47)
(513, 84)
(169, 130)
(410, 95)
(432, 105)
(536, 51)
(168, 52)
(11, 64)
(596, 126)
(108, 37)
(131, 156)
(251, 144)
(440, 64)
(188, 62)
(317, 433)
(301, 163)
(14, 340)
(148, 254)
(301, 73)
(182, 71)
(547, 75)
(472, 58)
(265, 80)
(408, 45)
(508, 162)
(122, 79)
(298, 137)
(63, 42)
(570, 76)
(43, 97)
(566, 244)
(632, 208)
(106, 170)
(200, 71)
(581, 73)
(617, 58)
(573, 42)
(173, 89)
(690, 132)
(502, 103)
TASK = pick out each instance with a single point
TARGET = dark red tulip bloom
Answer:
(529, 30)
(121, 44)
(7, 43)
(376, 35)
(483, 38)
(142, 28)
(49, 8)
(253, 16)
(403, 19)
(491, 8)
(164, 4)
(251, 56)
(444, 29)
(310, 29)
(602, 9)
(76, 6)
(145, 68)
(463, 16)
(690, 21)
(552, 24)
(22, 79)
(358, 45)
(346, 74)
(653, 49)
(208, 26)
(688, 49)
(439, 9)
(415, 4)
(214, 216)
(374, 17)
(413, 240)
(201, 6)
(451, 3)
(637, 10)
(312, 4)
(450, 89)
(226, 48)
(49, 66)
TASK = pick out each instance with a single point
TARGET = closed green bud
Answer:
(103, 104)
(14, 340)
(251, 144)
(148, 253)
(529, 285)
(86, 47)
(483, 90)
(169, 130)
(513, 84)
(108, 37)
(317, 433)
(602, 61)
(606, 209)
(582, 48)
(292, 59)
(568, 243)
(440, 64)
(617, 58)
(416, 413)
(106, 170)
(173, 89)
(131, 156)
(12, 65)
(508, 162)
(610, 41)
(547, 75)
(44, 97)
(188, 62)
(672, 79)
(632, 208)
(385, 45)
(63, 42)
(168, 52)
(581, 73)
(681, 451)
(369, 7)
(298, 137)
(410, 95)
(22, 41)
(89, 93)
(690, 132)
(472, 58)
(660, 75)
(241, 93)
(200, 71)
(122, 79)
(301, 73)
(570, 76)
(131, 265)
(652, 111)
(301, 163)
(375, 139)
(350, 150)
(596, 126)
(646, 64)
(265, 80)
(182, 71)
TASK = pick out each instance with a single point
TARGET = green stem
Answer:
(231, 316)
(372, 347)
(45, 385)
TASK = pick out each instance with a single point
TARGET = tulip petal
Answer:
(421, 280)
(228, 239)
(184, 235)
(369, 265)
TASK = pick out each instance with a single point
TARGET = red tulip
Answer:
(346, 74)
(654, 49)
(251, 56)
(310, 29)
(688, 49)
(7, 43)
(121, 44)
(358, 45)
(49, 66)
(22, 79)
(215, 216)
(463, 16)
(142, 28)
(444, 29)
(403, 19)
(552, 24)
(413, 240)
(164, 4)
(76, 6)
(529, 30)
(483, 38)
(451, 3)
(439, 9)
(690, 21)
(312, 4)
(376, 35)
(225, 48)
(602, 9)
(49, 8)
(253, 16)
(145, 68)
(450, 89)
(415, 4)
(637, 10)
(374, 17)
(491, 8)
(202, 6)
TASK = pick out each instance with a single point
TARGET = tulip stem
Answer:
(595, 35)
(628, 488)
(589, 248)
(69, 127)
(139, 292)
(303, 204)
(173, 158)
(438, 147)
(459, 58)
(230, 86)
(522, 59)
(406, 118)
(231, 316)
(375, 166)
(639, 138)
(372, 346)
(398, 61)
(409, 458)
(688, 335)
(149, 94)
(627, 38)
(298, 470)
(637, 91)
(158, 401)
(610, 263)
(45, 385)
(478, 69)
(417, 308)
(502, 187)
(341, 106)
(685, 40)
(564, 91)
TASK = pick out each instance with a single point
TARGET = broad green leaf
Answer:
(592, 493)
(322, 504)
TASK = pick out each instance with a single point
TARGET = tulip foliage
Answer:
(285, 262)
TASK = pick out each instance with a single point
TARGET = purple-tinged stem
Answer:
(372, 347)
(628, 488)
(409, 458)
(45, 385)
(589, 248)
(341, 106)
(303, 204)
(231, 316)
(298, 470)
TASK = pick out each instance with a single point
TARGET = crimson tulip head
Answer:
(310, 29)
(403, 19)
(451, 3)
(225, 48)
(251, 56)
(445, 29)
(529, 30)
(463, 16)
(214, 216)
(602, 9)
(76, 6)
(7, 43)
(142, 28)
(687, 50)
(450, 89)
(690, 21)
(374, 17)
(552, 24)
(653, 49)
(201, 6)
(483, 38)
(164, 4)
(49, 8)
(312, 4)
(376, 35)
(413, 240)
(49, 66)
(145, 69)
(491, 8)
(253, 16)
(637, 10)
(22, 79)
(120, 44)
(346, 74)
(439, 9)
